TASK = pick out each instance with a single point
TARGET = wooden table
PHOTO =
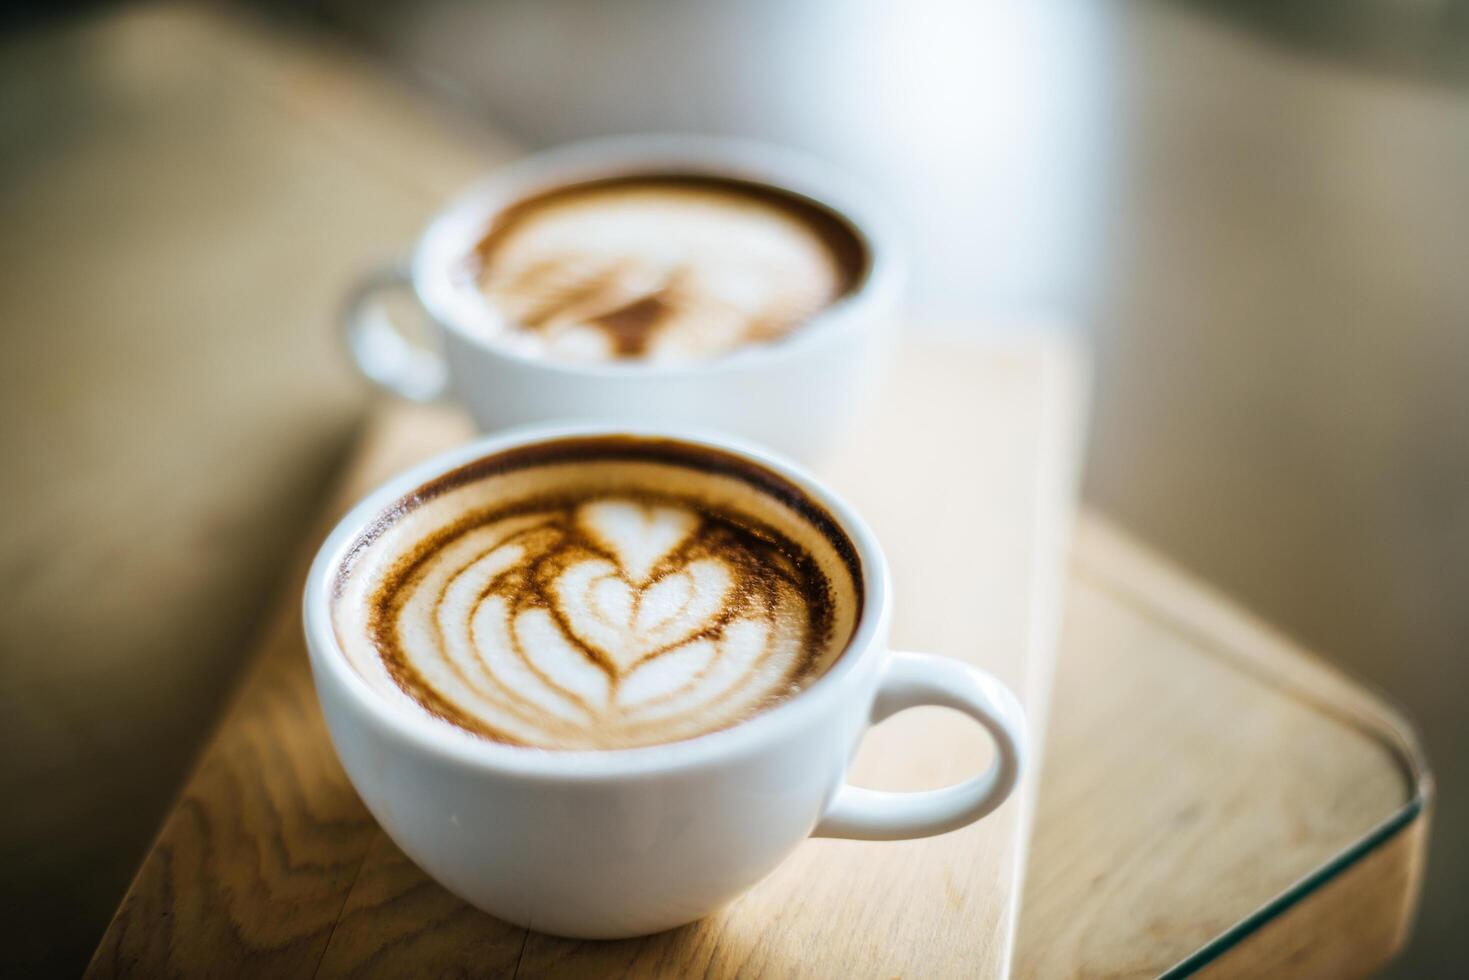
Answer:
(1212, 801)
(220, 182)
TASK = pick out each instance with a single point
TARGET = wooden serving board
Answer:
(964, 469)
(1213, 800)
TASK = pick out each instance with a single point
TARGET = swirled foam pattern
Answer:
(663, 269)
(620, 600)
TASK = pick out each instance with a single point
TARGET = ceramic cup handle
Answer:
(383, 353)
(911, 680)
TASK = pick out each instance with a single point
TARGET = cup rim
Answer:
(447, 741)
(458, 226)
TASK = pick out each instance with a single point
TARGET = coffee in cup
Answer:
(598, 593)
(665, 268)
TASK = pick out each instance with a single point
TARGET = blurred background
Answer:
(1258, 213)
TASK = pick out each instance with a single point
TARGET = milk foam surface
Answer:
(596, 604)
(664, 270)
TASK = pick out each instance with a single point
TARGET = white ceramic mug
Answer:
(794, 394)
(605, 844)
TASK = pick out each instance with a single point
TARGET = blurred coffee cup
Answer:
(670, 280)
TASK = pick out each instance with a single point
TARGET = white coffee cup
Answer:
(604, 844)
(793, 395)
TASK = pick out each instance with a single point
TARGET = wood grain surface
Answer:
(1213, 799)
(1209, 781)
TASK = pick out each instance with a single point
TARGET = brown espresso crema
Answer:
(598, 593)
(664, 268)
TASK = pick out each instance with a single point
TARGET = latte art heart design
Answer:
(603, 623)
(623, 623)
(664, 269)
(637, 536)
